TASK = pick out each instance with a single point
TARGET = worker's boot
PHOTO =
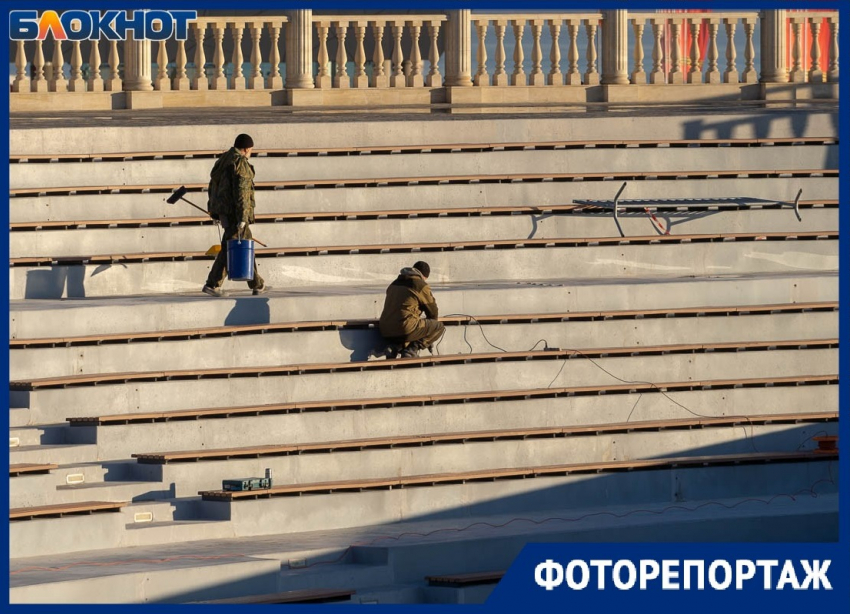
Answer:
(412, 350)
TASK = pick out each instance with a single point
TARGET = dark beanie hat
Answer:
(423, 268)
(243, 141)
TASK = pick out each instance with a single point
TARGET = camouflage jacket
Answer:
(231, 189)
(407, 298)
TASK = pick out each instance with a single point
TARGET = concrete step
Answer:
(63, 318)
(468, 266)
(97, 241)
(18, 417)
(190, 478)
(60, 454)
(470, 500)
(56, 404)
(123, 440)
(177, 172)
(119, 206)
(356, 345)
(52, 490)
(47, 434)
(164, 134)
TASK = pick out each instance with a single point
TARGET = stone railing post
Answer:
(137, 65)
(299, 49)
(459, 48)
(615, 47)
(773, 46)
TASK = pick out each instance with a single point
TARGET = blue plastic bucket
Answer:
(240, 260)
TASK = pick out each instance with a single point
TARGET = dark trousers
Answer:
(426, 334)
(219, 267)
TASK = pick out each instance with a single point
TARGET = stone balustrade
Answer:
(238, 60)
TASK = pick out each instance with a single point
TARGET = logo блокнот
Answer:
(79, 25)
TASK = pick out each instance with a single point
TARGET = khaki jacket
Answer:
(231, 189)
(407, 298)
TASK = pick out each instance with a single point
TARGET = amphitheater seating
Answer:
(706, 358)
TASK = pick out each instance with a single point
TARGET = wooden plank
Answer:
(490, 474)
(77, 380)
(339, 215)
(21, 513)
(441, 398)
(472, 436)
(486, 319)
(499, 177)
(441, 146)
(414, 247)
(465, 579)
(16, 469)
(314, 595)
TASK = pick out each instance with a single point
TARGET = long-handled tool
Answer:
(178, 195)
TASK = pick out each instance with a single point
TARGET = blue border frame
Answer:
(839, 598)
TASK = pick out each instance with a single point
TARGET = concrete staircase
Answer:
(669, 369)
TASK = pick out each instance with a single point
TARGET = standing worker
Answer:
(401, 324)
(231, 202)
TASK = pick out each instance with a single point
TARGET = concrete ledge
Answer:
(366, 97)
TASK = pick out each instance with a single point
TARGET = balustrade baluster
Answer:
(274, 80)
(676, 74)
(591, 75)
(695, 70)
(22, 81)
(341, 80)
(573, 76)
(161, 82)
(323, 79)
(39, 79)
(730, 75)
(379, 76)
(238, 78)
(199, 79)
(76, 83)
(434, 79)
(255, 80)
(832, 72)
(95, 81)
(361, 79)
(482, 77)
(816, 73)
(518, 75)
(415, 79)
(712, 75)
(638, 75)
(397, 79)
(537, 77)
(181, 79)
(657, 76)
(750, 74)
(58, 83)
(500, 76)
(798, 75)
(219, 80)
(555, 76)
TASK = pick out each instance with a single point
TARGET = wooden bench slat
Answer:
(16, 469)
(412, 247)
(64, 508)
(595, 467)
(298, 596)
(430, 179)
(32, 384)
(461, 146)
(377, 442)
(440, 398)
(485, 319)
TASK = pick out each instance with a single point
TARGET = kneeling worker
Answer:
(401, 322)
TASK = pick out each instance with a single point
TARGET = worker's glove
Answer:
(242, 225)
